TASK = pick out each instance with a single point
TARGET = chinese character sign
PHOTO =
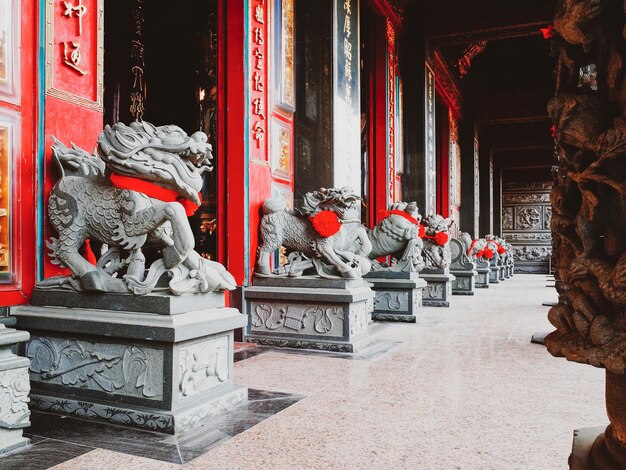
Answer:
(258, 78)
(74, 51)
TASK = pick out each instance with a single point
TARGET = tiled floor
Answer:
(462, 389)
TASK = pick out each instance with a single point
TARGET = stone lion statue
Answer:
(398, 235)
(135, 192)
(436, 251)
(325, 236)
(474, 248)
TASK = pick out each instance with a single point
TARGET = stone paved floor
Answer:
(465, 389)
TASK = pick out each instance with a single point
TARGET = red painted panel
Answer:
(236, 107)
(378, 98)
(24, 236)
(75, 37)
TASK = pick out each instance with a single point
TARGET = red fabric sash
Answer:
(471, 247)
(153, 190)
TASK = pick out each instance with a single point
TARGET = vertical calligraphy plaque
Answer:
(346, 86)
(75, 51)
(430, 168)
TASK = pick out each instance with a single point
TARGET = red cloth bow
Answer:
(326, 223)
(154, 190)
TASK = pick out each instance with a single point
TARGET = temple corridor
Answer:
(465, 381)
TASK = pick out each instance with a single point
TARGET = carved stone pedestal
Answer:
(14, 389)
(464, 282)
(163, 371)
(501, 275)
(438, 288)
(309, 312)
(398, 295)
(462, 268)
(482, 274)
(494, 273)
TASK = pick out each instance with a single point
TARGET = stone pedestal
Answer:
(309, 312)
(438, 288)
(464, 282)
(398, 295)
(482, 274)
(14, 387)
(164, 371)
(494, 273)
(462, 268)
(501, 273)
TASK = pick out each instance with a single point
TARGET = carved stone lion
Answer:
(398, 236)
(326, 235)
(133, 193)
(436, 252)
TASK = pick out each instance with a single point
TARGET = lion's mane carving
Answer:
(85, 204)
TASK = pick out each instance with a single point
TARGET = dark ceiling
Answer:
(510, 82)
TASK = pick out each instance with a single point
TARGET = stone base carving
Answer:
(14, 387)
(160, 372)
(309, 312)
(482, 277)
(465, 282)
(438, 288)
(494, 275)
(398, 295)
(501, 275)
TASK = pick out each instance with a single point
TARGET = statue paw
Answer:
(92, 282)
(171, 257)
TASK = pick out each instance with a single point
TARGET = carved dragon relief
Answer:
(589, 203)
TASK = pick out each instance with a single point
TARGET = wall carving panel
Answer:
(526, 216)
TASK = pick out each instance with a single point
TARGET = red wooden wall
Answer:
(24, 192)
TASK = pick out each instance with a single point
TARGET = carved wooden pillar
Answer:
(589, 203)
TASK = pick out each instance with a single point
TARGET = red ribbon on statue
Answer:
(469, 250)
(501, 249)
(488, 253)
(441, 238)
(326, 223)
(413, 220)
(154, 190)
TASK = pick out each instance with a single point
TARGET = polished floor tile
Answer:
(62, 434)
(44, 453)
(464, 388)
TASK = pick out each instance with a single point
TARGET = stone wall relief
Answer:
(507, 218)
(528, 218)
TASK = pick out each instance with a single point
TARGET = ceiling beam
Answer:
(488, 34)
